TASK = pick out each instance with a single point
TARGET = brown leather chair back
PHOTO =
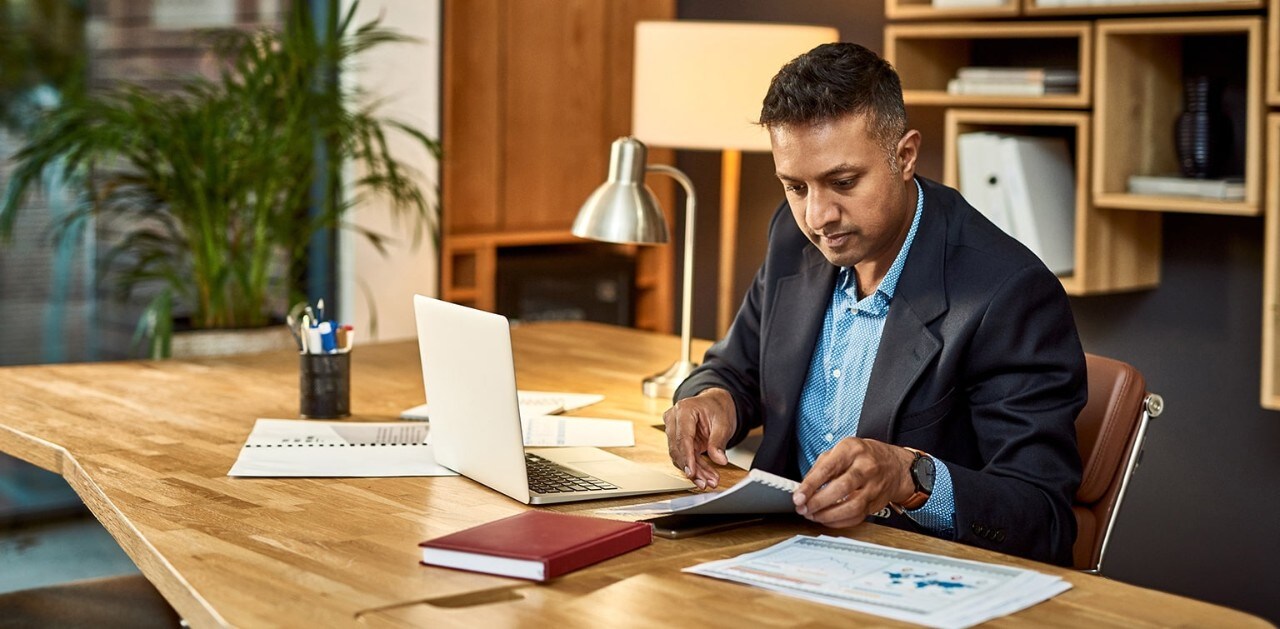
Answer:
(1110, 430)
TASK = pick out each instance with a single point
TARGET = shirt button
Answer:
(830, 437)
(835, 373)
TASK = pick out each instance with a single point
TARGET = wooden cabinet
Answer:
(534, 93)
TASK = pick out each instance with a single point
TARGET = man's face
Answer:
(846, 195)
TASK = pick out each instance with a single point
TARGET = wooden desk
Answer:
(147, 446)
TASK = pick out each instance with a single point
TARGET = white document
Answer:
(313, 449)
(532, 404)
(926, 589)
(577, 431)
(566, 401)
(759, 492)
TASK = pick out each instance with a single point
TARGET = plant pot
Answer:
(225, 342)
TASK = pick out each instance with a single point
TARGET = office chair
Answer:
(1110, 431)
(125, 601)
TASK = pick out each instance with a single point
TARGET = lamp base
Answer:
(663, 385)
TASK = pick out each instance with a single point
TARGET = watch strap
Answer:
(917, 499)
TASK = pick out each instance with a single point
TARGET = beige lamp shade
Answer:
(699, 85)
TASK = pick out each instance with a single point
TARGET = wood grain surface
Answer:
(147, 446)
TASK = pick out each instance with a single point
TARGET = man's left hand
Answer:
(856, 478)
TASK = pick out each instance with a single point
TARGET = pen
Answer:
(320, 308)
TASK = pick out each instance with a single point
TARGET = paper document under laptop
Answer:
(468, 371)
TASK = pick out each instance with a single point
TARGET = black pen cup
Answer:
(325, 383)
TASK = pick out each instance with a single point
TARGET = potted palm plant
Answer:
(218, 187)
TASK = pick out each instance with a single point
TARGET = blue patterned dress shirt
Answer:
(834, 390)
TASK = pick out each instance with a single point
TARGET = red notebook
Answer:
(537, 545)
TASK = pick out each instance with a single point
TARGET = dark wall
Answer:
(1202, 516)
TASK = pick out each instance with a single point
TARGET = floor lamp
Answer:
(699, 85)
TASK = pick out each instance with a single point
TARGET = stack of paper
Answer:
(312, 449)
(1014, 81)
(925, 589)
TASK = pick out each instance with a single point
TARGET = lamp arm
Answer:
(686, 299)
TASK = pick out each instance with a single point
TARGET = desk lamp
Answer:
(623, 210)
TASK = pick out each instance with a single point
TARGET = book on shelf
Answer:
(1228, 189)
(536, 545)
(1044, 76)
(1004, 88)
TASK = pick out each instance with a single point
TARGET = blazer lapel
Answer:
(906, 345)
(799, 309)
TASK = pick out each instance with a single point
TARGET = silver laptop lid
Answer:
(470, 378)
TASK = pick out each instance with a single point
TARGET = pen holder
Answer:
(325, 383)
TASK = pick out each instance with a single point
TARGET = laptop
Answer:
(469, 373)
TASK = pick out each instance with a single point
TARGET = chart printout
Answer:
(920, 587)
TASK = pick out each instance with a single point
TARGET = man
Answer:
(898, 349)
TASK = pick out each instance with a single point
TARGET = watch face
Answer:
(923, 473)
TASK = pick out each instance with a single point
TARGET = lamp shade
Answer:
(699, 85)
(623, 209)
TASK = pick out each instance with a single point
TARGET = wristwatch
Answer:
(923, 471)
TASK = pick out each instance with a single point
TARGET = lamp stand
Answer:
(664, 384)
(730, 184)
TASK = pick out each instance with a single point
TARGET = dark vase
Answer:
(1202, 133)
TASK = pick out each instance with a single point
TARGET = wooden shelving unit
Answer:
(924, 10)
(1271, 273)
(1114, 250)
(1273, 54)
(534, 94)
(1031, 8)
(1126, 126)
(927, 56)
(1141, 66)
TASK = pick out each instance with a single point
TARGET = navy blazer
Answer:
(979, 365)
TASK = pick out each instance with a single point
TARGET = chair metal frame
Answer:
(1152, 406)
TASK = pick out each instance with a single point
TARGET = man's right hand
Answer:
(697, 425)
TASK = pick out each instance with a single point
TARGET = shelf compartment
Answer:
(1273, 54)
(1270, 393)
(1115, 250)
(1031, 8)
(924, 10)
(1141, 65)
(928, 55)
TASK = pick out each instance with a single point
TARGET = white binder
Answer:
(982, 177)
(1039, 186)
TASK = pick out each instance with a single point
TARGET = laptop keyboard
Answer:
(547, 477)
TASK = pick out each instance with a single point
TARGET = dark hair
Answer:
(835, 80)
